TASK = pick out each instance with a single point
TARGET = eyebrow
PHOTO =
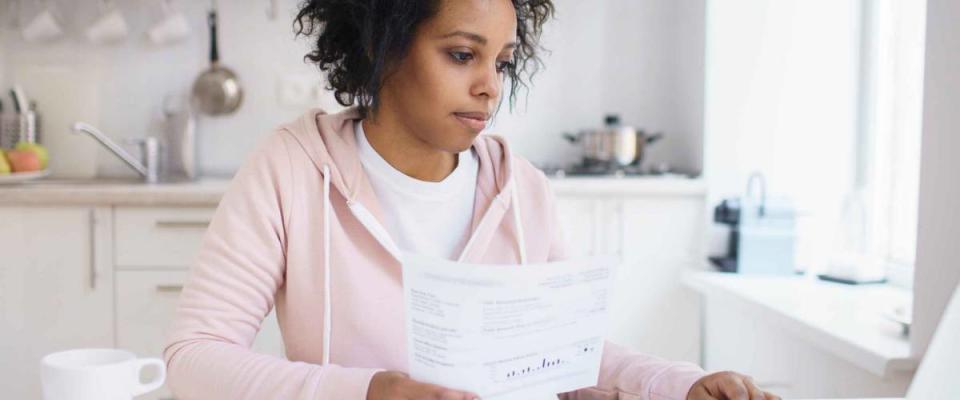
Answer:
(474, 37)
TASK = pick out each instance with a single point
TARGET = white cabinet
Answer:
(655, 312)
(56, 289)
(151, 238)
(74, 277)
(146, 304)
(154, 250)
(656, 237)
(580, 225)
(738, 337)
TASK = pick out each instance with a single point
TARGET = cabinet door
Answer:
(146, 304)
(654, 313)
(579, 222)
(139, 230)
(56, 289)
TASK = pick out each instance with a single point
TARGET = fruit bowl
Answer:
(20, 177)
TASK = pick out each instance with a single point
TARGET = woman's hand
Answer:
(390, 385)
(728, 386)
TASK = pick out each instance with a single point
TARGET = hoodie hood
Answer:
(329, 141)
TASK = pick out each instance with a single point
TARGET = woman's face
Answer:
(456, 64)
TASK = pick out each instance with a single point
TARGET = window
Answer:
(824, 98)
(890, 125)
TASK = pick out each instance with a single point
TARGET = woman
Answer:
(315, 219)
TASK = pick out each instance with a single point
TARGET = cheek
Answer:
(438, 89)
(443, 82)
(430, 91)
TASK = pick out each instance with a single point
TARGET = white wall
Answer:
(780, 99)
(938, 256)
(643, 59)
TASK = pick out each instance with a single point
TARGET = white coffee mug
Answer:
(173, 27)
(97, 374)
(43, 26)
(109, 27)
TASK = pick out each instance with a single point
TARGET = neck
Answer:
(406, 152)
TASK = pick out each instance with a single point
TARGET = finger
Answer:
(755, 392)
(733, 388)
(437, 392)
(770, 396)
(700, 393)
(449, 394)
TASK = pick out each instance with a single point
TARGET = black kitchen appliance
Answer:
(728, 213)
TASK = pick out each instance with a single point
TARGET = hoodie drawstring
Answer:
(327, 325)
(516, 222)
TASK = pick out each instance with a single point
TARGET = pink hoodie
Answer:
(299, 229)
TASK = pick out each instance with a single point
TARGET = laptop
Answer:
(936, 378)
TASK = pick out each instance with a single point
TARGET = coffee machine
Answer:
(762, 233)
(728, 213)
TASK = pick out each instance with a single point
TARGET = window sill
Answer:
(847, 321)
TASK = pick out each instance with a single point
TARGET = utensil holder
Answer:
(17, 127)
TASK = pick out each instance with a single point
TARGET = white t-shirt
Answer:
(431, 218)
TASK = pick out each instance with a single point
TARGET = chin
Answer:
(459, 146)
(462, 141)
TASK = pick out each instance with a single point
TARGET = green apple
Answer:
(36, 148)
(4, 165)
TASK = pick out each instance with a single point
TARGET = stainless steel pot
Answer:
(613, 144)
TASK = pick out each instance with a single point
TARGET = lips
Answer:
(474, 121)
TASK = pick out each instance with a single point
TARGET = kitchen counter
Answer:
(207, 192)
(652, 185)
(204, 192)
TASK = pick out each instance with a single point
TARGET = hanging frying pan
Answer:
(217, 90)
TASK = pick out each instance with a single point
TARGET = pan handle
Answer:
(212, 21)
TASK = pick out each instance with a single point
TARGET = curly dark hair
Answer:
(357, 39)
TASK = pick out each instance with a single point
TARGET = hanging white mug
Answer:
(43, 26)
(97, 374)
(172, 28)
(109, 27)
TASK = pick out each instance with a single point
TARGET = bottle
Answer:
(28, 124)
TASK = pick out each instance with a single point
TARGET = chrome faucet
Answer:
(149, 148)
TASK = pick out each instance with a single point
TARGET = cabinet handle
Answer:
(622, 231)
(93, 249)
(169, 288)
(182, 224)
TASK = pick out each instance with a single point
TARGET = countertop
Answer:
(204, 192)
(208, 191)
(845, 320)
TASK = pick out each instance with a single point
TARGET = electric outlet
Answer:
(299, 90)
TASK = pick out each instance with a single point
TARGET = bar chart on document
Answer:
(544, 364)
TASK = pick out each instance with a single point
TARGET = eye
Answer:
(461, 57)
(505, 66)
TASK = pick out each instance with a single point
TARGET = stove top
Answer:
(605, 169)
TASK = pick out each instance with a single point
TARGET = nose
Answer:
(488, 83)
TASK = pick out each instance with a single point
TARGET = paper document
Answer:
(507, 332)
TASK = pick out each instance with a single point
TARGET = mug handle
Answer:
(142, 388)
